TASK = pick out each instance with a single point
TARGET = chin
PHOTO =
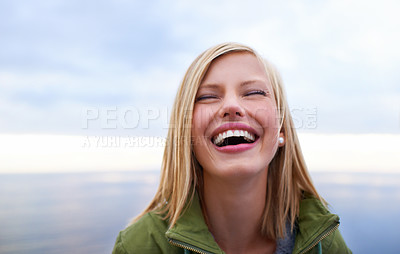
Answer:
(240, 169)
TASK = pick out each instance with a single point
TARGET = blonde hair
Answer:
(181, 174)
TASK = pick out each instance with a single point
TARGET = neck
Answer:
(234, 210)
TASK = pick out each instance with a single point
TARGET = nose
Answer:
(231, 108)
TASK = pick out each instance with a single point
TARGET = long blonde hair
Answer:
(181, 174)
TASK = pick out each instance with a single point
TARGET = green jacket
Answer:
(316, 233)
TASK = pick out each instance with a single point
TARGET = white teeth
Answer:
(219, 139)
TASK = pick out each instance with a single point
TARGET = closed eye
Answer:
(205, 97)
(256, 92)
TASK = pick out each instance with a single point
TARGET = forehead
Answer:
(236, 63)
(235, 67)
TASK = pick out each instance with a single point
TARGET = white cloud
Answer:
(59, 153)
(54, 102)
(368, 32)
(327, 51)
(351, 153)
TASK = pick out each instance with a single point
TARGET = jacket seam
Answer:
(333, 237)
(154, 223)
(121, 243)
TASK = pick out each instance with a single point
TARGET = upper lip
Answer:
(233, 126)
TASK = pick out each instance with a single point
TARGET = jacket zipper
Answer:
(186, 246)
(198, 250)
(322, 237)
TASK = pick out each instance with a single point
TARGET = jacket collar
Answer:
(191, 229)
(313, 223)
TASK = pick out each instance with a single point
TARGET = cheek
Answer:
(199, 125)
(203, 116)
(200, 122)
(197, 122)
(267, 117)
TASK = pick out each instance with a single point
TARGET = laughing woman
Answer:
(233, 176)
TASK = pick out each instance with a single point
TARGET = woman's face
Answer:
(235, 121)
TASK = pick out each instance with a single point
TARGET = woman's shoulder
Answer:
(310, 204)
(146, 235)
(317, 224)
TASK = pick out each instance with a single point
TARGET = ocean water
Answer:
(83, 212)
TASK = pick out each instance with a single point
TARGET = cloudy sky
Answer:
(113, 67)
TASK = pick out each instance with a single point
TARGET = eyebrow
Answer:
(249, 82)
(210, 85)
(244, 83)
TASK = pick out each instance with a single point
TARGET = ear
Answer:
(281, 139)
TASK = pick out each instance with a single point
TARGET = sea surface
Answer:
(83, 212)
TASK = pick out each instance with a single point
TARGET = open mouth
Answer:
(233, 137)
